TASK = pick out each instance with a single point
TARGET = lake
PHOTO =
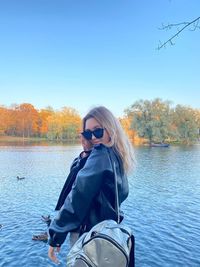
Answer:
(163, 207)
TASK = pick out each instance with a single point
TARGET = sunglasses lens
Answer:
(87, 135)
(98, 133)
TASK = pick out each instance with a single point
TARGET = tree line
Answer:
(145, 121)
(25, 121)
(157, 121)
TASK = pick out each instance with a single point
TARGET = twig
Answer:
(169, 26)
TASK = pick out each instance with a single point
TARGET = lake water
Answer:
(163, 207)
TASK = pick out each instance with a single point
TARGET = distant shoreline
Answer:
(4, 139)
(21, 140)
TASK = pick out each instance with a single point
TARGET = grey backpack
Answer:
(107, 244)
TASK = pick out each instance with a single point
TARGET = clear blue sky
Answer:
(97, 52)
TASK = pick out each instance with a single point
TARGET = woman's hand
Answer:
(87, 145)
(52, 254)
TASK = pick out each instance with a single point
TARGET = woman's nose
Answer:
(93, 137)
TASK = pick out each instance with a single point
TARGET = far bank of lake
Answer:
(17, 140)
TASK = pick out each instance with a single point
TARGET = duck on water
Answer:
(20, 178)
(43, 236)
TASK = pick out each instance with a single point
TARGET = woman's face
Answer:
(92, 125)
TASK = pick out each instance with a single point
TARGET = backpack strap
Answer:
(116, 189)
(132, 253)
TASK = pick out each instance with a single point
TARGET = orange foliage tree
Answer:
(19, 120)
(28, 118)
(64, 124)
(44, 114)
(126, 124)
(4, 117)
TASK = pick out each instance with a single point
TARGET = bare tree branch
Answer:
(194, 24)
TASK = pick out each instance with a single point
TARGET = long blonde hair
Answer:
(118, 138)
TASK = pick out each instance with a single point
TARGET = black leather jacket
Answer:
(92, 198)
(76, 166)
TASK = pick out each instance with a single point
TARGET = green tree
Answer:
(186, 122)
(197, 119)
(151, 119)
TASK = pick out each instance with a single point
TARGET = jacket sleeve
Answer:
(77, 204)
(77, 164)
(68, 183)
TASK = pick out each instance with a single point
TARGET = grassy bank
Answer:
(20, 139)
(36, 140)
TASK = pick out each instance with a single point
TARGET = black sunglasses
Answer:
(98, 133)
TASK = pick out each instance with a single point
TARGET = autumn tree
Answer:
(28, 120)
(126, 125)
(44, 114)
(132, 134)
(13, 120)
(64, 124)
(3, 120)
(71, 123)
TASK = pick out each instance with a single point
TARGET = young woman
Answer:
(92, 197)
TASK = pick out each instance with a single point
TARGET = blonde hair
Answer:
(118, 138)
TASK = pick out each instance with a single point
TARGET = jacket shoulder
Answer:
(99, 158)
(102, 151)
(100, 147)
